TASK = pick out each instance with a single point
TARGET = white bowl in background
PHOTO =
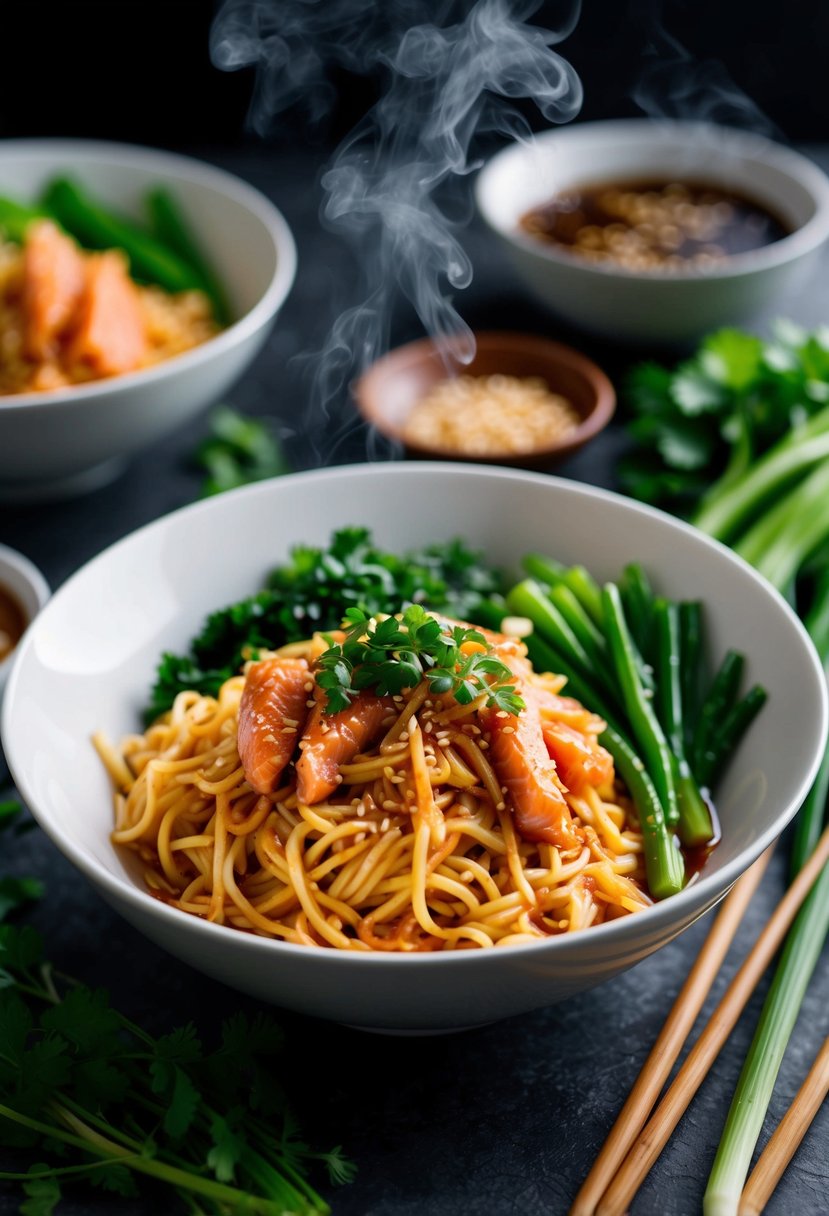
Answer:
(655, 306)
(88, 661)
(67, 440)
(28, 586)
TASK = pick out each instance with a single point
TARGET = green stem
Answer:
(754, 1088)
(782, 540)
(90, 1141)
(646, 729)
(801, 449)
(695, 827)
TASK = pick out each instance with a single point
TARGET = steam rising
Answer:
(393, 181)
(673, 84)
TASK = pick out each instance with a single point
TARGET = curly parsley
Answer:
(395, 654)
(311, 591)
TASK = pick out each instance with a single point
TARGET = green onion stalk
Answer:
(777, 523)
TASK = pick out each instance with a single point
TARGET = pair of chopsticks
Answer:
(639, 1136)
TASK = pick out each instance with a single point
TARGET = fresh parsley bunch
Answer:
(86, 1095)
(391, 655)
(715, 414)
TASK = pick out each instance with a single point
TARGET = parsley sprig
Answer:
(309, 593)
(89, 1096)
(394, 654)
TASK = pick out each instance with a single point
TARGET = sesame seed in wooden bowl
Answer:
(523, 400)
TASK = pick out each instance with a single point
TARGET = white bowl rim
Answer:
(13, 559)
(660, 914)
(138, 155)
(793, 164)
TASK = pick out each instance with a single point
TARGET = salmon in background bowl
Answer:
(69, 439)
(89, 658)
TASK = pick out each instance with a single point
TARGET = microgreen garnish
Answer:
(397, 653)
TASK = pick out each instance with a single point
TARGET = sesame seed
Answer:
(384, 826)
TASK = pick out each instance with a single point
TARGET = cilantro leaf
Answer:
(84, 1018)
(15, 892)
(43, 1192)
(238, 451)
(718, 411)
(227, 1147)
(114, 1178)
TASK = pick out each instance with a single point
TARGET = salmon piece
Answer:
(110, 336)
(522, 763)
(272, 715)
(334, 739)
(524, 768)
(580, 759)
(54, 277)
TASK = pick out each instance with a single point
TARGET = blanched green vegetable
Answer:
(95, 227)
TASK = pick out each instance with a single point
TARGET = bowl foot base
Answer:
(54, 488)
(416, 1034)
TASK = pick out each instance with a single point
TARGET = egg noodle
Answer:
(415, 851)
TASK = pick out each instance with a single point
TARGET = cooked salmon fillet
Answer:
(110, 336)
(579, 758)
(272, 715)
(54, 277)
(522, 763)
(334, 739)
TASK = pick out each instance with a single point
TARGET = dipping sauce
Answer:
(654, 225)
(12, 622)
(489, 415)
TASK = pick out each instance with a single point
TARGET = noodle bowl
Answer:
(416, 850)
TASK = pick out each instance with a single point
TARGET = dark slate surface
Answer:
(493, 1122)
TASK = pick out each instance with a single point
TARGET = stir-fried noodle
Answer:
(418, 847)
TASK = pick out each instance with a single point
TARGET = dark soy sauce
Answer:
(655, 225)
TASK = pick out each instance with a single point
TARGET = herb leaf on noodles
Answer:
(311, 592)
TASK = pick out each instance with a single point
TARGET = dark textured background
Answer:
(502, 1121)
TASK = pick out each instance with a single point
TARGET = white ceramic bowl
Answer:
(72, 439)
(28, 586)
(88, 661)
(655, 306)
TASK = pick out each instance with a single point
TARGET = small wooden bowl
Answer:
(388, 391)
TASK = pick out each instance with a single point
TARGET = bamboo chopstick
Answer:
(677, 1027)
(787, 1136)
(657, 1131)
